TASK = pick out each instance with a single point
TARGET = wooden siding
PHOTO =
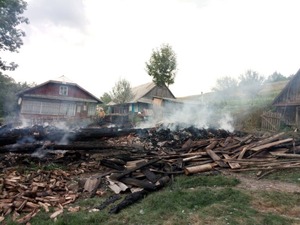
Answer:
(48, 108)
(52, 89)
(162, 91)
(57, 108)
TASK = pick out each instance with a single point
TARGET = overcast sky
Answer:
(95, 43)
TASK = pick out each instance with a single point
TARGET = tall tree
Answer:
(276, 77)
(8, 99)
(10, 34)
(226, 84)
(162, 65)
(250, 82)
(121, 92)
(105, 98)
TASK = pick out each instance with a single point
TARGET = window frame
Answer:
(63, 90)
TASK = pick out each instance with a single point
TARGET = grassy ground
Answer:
(197, 199)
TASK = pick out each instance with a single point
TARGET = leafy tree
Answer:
(121, 92)
(250, 82)
(276, 77)
(226, 84)
(8, 99)
(105, 98)
(10, 34)
(162, 65)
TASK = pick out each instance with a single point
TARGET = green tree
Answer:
(226, 84)
(105, 98)
(276, 77)
(162, 65)
(250, 82)
(10, 34)
(8, 99)
(121, 92)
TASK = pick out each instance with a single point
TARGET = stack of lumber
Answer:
(135, 162)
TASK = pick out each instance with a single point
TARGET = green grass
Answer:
(195, 199)
(204, 181)
(288, 175)
(45, 166)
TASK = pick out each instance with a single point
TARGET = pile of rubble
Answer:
(132, 161)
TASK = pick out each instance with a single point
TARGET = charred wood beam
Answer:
(150, 175)
(87, 147)
(112, 164)
(20, 148)
(96, 133)
(147, 185)
(136, 196)
(129, 171)
(109, 201)
(129, 200)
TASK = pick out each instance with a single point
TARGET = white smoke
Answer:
(226, 122)
(183, 115)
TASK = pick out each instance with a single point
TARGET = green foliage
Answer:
(162, 65)
(276, 77)
(247, 85)
(10, 34)
(250, 82)
(121, 92)
(105, 98)
(8, 99)
(226, 85)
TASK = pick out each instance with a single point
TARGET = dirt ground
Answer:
(250, 183)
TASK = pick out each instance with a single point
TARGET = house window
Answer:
(91, 109)
(48, 108)
(63, 90)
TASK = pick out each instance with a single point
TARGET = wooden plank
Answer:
(241, 155)
(269, 139)
(212, 145)
(232, 165)
(216, 158)
(268, 145)
(199, 168)
(284, 155)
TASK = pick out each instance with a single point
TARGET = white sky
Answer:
(95, 43)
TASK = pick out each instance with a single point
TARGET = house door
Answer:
(81, 110)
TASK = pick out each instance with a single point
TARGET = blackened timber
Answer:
(111, 199)
(129, 200)
(21, 148)
(129, 171)
(136, 196)
(87, 146)
(96, 133)
(112, 164)
(147, 185)
(150, 175)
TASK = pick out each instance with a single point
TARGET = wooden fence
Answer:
(271, 121)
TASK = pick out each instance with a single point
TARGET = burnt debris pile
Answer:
(128, 162)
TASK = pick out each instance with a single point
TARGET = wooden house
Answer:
(142, 99)
(287, 102)
(57, 100)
